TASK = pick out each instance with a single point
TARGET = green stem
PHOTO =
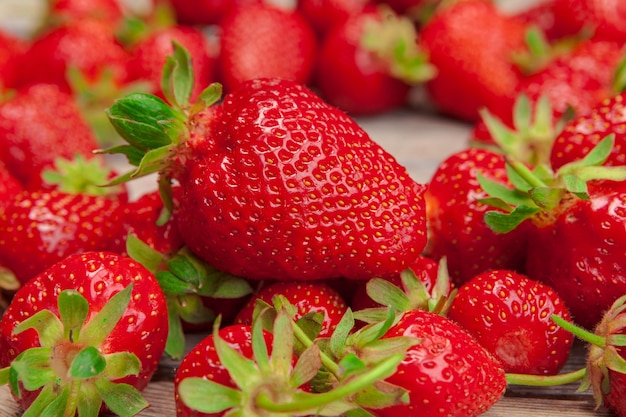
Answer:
(315, 401)
(72, 400)
(545, 380)
(328, 363)
(579, 332)
(526, 173)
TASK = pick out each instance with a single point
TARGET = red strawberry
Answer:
(38, 125)
(40, 228)
(471, 45)
(262, 40)
(90, 328)
(455, 217)
(510, 315)
(11, 48)
(9, 185)
(206, 12)
(606, 19)
(324, 15)
(72, 46)
(447, 374)
(543, 14)
(319, 198)
(307, 297)
(109, 11)
(586, 131)
(149, 54)
(374, 48)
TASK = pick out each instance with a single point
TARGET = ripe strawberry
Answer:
(471, 45)
(261, 41)
(40, 228)
(543, 14)
(319, 199)
(149, 54)
(510, 314)
(586, 131)
(307, 297)
(89, 329)
(109, 11)
(606, 19)
(375, 48)
(9, 185)
(324, 15)
(455, 217)
(38, 125)
(447, 374)
(11, 48)
(206, 12)
(70, 47)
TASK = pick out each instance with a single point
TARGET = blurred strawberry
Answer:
(368, 63)
(324, 15)
(206, 12)
(11, 47)
(264, 41)
(108, 11)
(605, 18)
(543, 15)
(37, 125)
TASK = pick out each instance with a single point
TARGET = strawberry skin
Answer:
(456, 226)
(287, 187)
(40, 228)
(142, 329)
(307, 297)
(447, 374)
(510, 316)
(587, 271)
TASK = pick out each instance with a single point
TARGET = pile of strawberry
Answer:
(328, 280)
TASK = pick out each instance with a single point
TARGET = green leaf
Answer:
(101, 325)
(282, 347)
(4, 375)
(172, 285)
(575, 185)
(351, 364)
(308, 365)
(46, 324)
(120, 365)
(88, 363)
(175, 344)
(32, 367)
(229, 286)
(522, 112)
(57, 407)
(191, 309)
(508, 196)
(259, 346)
(132, 154)
(178, 77)
(372, 332)
(123, 399)
(506, 222)
(209, 96)
(89, 401)
(44, 398)
(196, 392)
(547, 198)
(73, 309)
(145, 121)
(240, 368)
(339, 337)
(143, 253)
(387, 294)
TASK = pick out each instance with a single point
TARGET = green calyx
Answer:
(393, 40)
(533, 133)
(74, 376)
(156, 131)
(80, 176)
(185, 280)
(539, 190)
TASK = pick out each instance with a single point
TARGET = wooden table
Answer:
(419, 140)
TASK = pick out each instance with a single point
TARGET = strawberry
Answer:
(606, 19)
(510, 315)
(40, 228)
(455, 217)
(309, 172)
(376, 48)
(543, 15)
(70, 48)
(576, 217)
(262, 40)
(586, 131)
(307, 297)
(206, 12)
(88, 330)
(149, 54)
(324, 15)
(447, 374)
(109, 11)
(471, 45)
(11, 48)
(38, 125)
(9, 185)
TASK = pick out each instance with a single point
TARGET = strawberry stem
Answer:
(579, 332)
(546, 380)
(383, 370)
(328, 363)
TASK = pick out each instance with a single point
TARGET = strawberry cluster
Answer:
(328, 281)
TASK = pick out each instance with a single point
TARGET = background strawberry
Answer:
(510, 315)
(606, 19)
(69, 326)
(324, 15)
(263, 40)
(206, 12)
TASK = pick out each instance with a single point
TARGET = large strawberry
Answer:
(447, 374)
(455, 217)
(85, 334)
(37, 125)
(263, 40)
(277, 184)
(606, 19)
(510, 315)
